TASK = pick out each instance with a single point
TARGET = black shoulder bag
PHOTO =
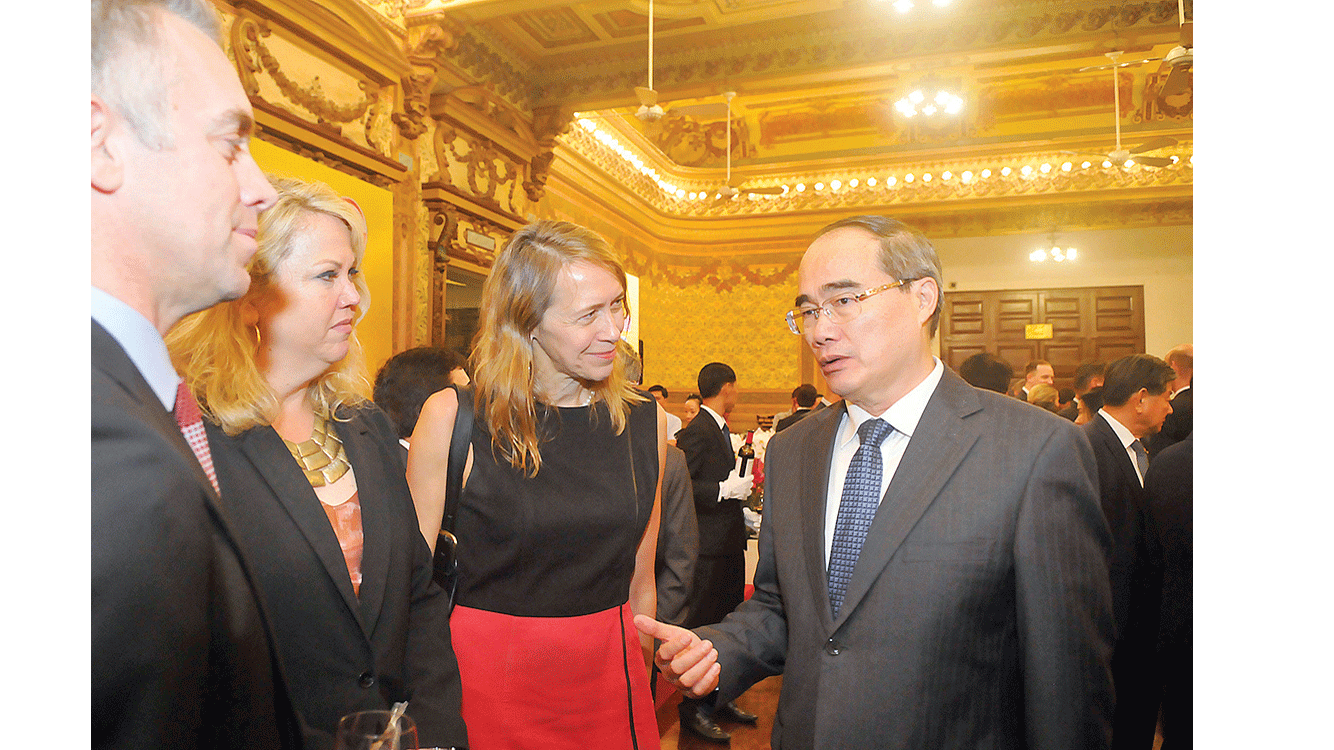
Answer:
(446, 562)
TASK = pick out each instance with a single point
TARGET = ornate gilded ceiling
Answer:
(816, 83)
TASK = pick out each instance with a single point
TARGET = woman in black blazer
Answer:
(312, 479)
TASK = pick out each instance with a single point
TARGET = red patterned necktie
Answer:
(192, 426)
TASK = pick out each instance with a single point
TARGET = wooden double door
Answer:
(1087, 324)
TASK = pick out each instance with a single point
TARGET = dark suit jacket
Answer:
(344, 653)
(678, 540)
(1170, 488)
(978, 614)
(1178, 424)
(709, 456)
(791, 419)
(181, 655)
(1135, 576)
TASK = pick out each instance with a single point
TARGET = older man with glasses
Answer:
(932, 564)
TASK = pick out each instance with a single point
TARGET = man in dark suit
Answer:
(1170, 487)
(181, 651)
(720, 572)
(1181, 421)
(803, 402)
(1088, 375)
(932, 557)
(986, 370)
(1136, 398)
(1036, 373)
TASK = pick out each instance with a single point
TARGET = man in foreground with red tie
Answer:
(181, 654)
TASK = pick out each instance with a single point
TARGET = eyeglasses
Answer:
(839, 310)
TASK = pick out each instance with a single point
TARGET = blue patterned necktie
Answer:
(856, 508)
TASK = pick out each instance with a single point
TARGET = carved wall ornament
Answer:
(252, 56)
(487, 169)
(1158, 107)
(690, 143)
(549, 124)
(427, 44)
(415, 116)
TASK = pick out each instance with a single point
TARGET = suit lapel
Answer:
(1113, 447)
(939, 444)
(817, 451)
(263, 448)
(109, 357)
(375, 521)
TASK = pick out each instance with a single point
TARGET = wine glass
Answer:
(370, 730)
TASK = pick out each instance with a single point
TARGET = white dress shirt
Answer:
(141, 342)
(903, 416)
(1127, 439)
(673, 425)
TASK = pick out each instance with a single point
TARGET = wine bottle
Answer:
(746, 452)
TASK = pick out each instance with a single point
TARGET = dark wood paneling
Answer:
(1088, 324)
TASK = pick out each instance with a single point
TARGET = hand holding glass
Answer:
(372, 730)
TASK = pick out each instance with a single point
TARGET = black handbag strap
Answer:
(458, 456)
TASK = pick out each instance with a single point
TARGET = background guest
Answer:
(1089, 404)
(674, 422)
(1036, 373)
(1136, 399)
(1170, 487)
(804, 398)
(1065, 399)
(313, 479)
(1045, 396)
(720, 574)
(408, 378)
(986, 370)
(1088, 375)
(559, 515)
(1181, 421)
(691, 407)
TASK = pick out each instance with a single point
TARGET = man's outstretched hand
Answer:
(688, 663)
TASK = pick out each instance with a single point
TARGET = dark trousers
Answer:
(720, 586)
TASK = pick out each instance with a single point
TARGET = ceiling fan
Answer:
(732, 188)
(649, 109)
(1119, 156)
(1176, 64)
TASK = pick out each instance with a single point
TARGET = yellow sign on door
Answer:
(1037, 331)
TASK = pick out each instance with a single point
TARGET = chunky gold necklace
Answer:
(322, 457)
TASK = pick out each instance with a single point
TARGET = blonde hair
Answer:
(216, 349)
(515, 297)
(1044, 395)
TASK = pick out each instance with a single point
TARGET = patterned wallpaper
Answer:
(684, 329)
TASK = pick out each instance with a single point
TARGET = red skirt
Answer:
(544, 683)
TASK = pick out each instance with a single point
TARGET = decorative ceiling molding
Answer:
(807, 47)
(929, 184)
(726, 267)
(477, 56)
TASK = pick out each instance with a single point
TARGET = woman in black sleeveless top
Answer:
(558, 518)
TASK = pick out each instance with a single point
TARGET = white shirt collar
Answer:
(141, 342)
(1183, 389)
(1127, 437)
(722, 423)
(903, 415)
